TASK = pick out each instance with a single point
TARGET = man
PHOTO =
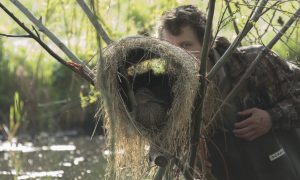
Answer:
(257, 138)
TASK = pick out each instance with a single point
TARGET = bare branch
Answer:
(93, 19)
(53, 38)
(204, 56)
(84, 75)
(237, 40)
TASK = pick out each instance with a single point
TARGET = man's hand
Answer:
(257, 124)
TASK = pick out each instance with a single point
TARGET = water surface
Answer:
(60, 156)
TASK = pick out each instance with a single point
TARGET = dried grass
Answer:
(123, 133)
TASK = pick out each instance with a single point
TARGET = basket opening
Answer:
(158, 83)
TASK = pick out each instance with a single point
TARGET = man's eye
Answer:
(185, 45)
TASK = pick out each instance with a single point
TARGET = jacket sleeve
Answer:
(275, 81)
(283, 88)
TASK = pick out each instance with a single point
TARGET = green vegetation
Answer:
(158, 66)
(52, 97)
(16, 116)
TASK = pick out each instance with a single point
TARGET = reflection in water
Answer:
(30, 175)
(78, 160)
(27, 147)
(60, 148)
(14, 146)
(52, 157)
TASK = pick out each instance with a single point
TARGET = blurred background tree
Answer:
(53, 95)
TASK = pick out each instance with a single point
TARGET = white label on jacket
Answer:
(277, 154)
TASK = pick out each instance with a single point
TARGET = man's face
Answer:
(187, 40)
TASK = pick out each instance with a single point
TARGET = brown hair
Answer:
(187, 15)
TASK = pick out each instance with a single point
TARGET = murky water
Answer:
(56, 157)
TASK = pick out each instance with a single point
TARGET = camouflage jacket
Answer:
(273, 86)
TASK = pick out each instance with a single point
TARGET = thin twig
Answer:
(36, 32)
(99, 45)
(235, 26)
(15, 36)
(94, 21)
(278, 9)
(220, 26)
(287, 37)
(269, 24)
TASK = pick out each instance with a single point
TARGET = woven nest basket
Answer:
(127, 139)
